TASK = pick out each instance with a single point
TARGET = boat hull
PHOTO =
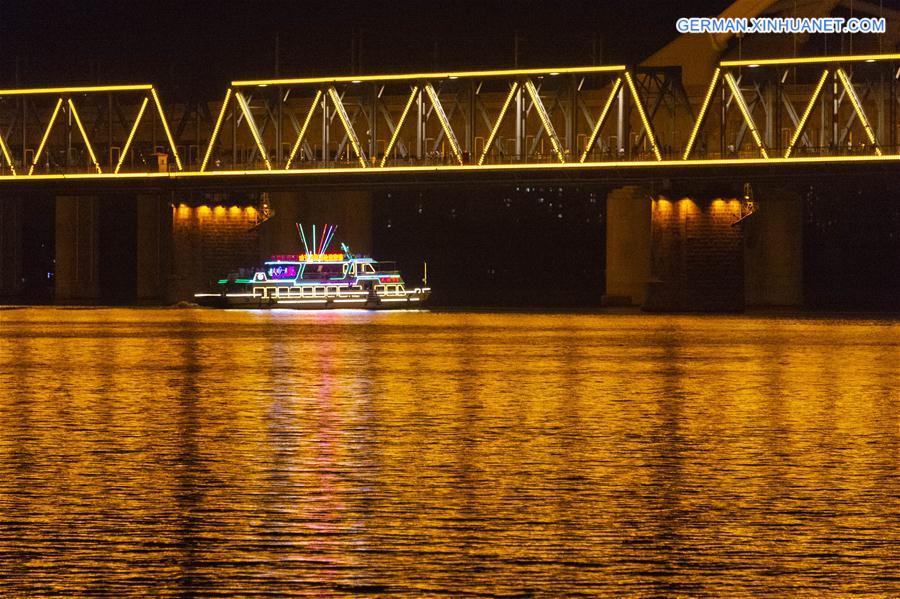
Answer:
(411, 300)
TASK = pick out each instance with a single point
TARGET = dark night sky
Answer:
(206, 44)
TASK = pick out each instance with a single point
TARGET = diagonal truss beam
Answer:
(84, 136)
(414, 91)
(348, 126)
(251, 123)
(445, 123)
(651, 137)
(165, 124)
(357, 109)
(857, 106)
(702, 114)
(493, 134)
(215, 131)
(385, 113)
(601, 119)
(852, 117)
(748, 118)
(134, 128)
(795, 118)
(808, 111)
(50, 123)
(302, 133)
(6, 155)
(545, 119)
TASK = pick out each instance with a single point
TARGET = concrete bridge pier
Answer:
(773, 251)
(153, 248)
(11, 248)
(698, 252)
(77, 275)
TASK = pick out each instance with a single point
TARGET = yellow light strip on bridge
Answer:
(438, 75)
(640, 108)
(809, 60)
(600, 119)
(348, 126)
(303, 128)
(84, 136)
(251, 124)
(215, 131)
(165, 124)
(614, 166)
(702, 114)
(73, 90)
(739, 98)
(496, 127)
(445, 123)
(806, 113)
(412, 98)
(40, 149)
(6, 155)
(545, 119)
(131, 134)
(851, 93)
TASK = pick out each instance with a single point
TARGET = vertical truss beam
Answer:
(409, 102)
(493, 134)
(808, 111)
(50, 123)
(857, 106)
(254, 131)
(545, 119)
(215, 131)
(84, 136)
(601, 119)
(702, 114)
(302, 133)
(348, 126)
(651, 137)
(745, 111)
(445, 123)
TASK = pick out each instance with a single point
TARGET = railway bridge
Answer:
(701, 181)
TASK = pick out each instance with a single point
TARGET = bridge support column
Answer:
(773, 250)
(209, 241)
(77, 245)
(628, 245)
(11, 254)
(697, 255)
(350, 211)
(154, 247)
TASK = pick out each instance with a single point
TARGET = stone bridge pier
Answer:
(684, 250)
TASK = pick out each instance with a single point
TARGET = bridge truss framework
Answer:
(829, 109)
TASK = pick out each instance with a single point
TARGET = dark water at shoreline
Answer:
(191, 452)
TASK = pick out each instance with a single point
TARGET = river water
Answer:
(194, 452)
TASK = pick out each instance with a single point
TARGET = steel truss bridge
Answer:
(829, 110)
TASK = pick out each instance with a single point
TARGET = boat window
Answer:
(323, 271)
(282, 271)
(368, 269)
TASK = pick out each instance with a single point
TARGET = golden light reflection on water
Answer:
(340, 454)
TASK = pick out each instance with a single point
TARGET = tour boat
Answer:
(317, 280)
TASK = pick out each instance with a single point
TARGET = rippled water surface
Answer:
(190, 452)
